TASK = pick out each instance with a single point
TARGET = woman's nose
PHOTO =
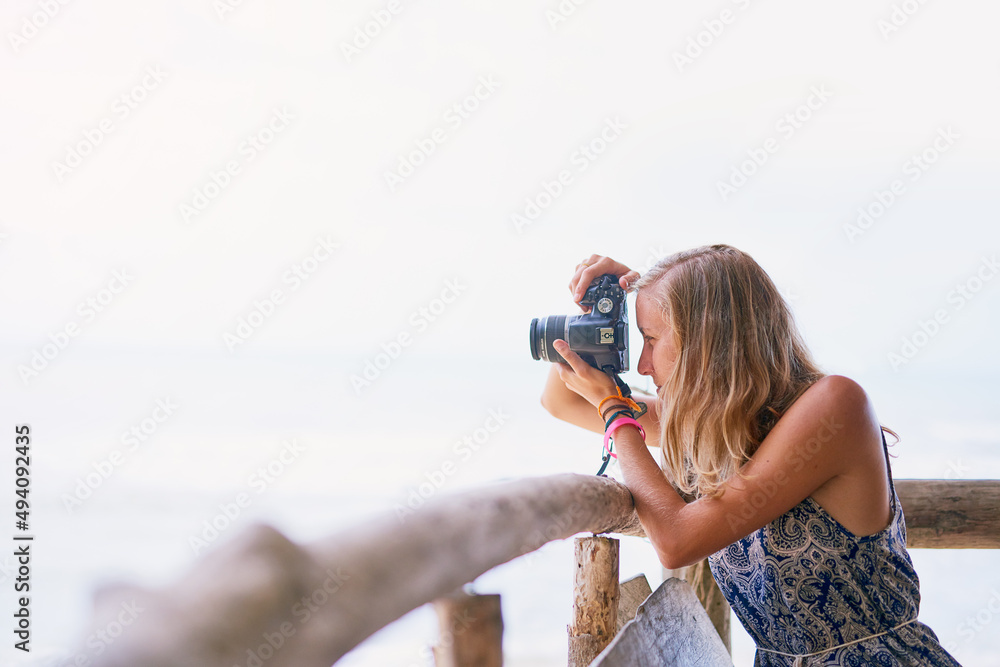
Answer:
(644, 367)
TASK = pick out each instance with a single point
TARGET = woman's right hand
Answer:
(594, 267)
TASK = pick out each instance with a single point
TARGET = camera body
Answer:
(600, 337)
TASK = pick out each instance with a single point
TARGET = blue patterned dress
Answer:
(804, 584)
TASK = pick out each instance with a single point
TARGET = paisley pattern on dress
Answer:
(804, 583)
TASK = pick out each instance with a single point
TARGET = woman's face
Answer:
(659, 354)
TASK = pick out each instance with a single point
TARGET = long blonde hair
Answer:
(741, 363)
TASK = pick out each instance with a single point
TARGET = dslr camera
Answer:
(600, 337)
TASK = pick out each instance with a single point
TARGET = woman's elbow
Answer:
(675, 556)
(674, 562)
(550, 407)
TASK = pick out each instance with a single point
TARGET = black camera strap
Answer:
(625, 390)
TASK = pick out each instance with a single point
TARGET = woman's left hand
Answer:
(590, 383)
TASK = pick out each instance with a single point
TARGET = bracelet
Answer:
(618, 423)
(624, 399)
(625, 411)
(605, 400)
(620, 406)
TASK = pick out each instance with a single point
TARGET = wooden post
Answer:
(471, 631)
(595, 598)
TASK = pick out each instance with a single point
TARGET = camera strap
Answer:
(626, 392)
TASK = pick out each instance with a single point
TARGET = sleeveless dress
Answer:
(803, 584)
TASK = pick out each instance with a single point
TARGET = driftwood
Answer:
(595, 598)
(263, 600)
(670, 629)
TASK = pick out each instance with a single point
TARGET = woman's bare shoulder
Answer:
(859, 496)
(840, 399)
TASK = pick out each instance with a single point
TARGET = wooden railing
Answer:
(262, 600)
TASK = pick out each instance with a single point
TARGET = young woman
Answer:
(786, 468)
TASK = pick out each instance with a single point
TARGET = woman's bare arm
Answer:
(825, 435)
(565, 404)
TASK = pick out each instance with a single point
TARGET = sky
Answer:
(243, 207)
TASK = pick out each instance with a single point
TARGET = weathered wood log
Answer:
(631, 593)
(323, 599)
(471, 631)
(708, 593)
(595, 598)
(951, 513)
(670, 629)
(242, 604)
(261, 594)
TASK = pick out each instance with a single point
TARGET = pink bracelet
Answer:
(621, 421)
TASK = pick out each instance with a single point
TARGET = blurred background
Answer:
(230, 230)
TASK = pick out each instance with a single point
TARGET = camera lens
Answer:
(544, 331)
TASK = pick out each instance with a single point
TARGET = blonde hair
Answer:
(741, 363)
